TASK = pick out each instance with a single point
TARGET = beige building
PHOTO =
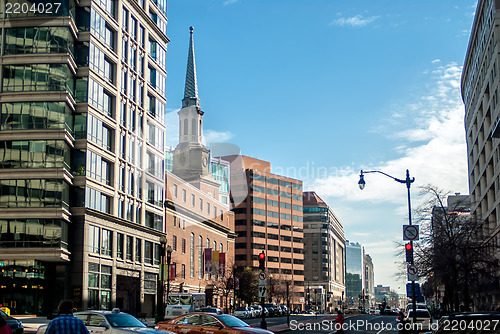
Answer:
(196, 219)
(268, 217)
(324, 247)
(481, 95)
(369, 281)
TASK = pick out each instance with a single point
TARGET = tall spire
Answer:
(191, 88)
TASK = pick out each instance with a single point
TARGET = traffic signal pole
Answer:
(262, 267)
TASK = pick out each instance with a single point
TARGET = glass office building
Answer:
(82, 133)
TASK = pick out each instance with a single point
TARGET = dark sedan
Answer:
(14, 324)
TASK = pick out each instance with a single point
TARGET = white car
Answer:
(242, 312)
(110, 322)
(424, 319)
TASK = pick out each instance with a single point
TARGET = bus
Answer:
(182, 302)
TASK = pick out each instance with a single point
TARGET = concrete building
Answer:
(355, 273)
(269, 217)
(369, 281)
(480, 94)
(81, 155)
(196, 219)
(324, 246)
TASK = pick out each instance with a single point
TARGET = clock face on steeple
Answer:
(205, 161)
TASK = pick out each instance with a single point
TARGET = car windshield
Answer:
(420, 314)
(231, 321)
(123, 320)
(241, 309)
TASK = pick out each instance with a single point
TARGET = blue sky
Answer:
(324, 88)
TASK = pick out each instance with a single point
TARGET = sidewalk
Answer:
(284, 327)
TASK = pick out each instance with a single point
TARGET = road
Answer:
(370, 324)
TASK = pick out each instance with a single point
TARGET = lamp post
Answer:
(160, 307)
(169, 258)
(408, 181)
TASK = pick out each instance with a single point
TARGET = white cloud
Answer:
(430, 142)
(354, 21)
(211, 136)
(230, 2)
(435, 61)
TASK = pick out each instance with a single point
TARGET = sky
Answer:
(325, 88)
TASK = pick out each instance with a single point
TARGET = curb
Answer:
(284, 327)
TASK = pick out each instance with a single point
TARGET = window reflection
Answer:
(37, 77)
(38, 40)
(33, 233)
(36, 115)
(34, 193)
(34, 154)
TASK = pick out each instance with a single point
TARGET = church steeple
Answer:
(191, 87)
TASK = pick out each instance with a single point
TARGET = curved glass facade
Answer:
(34, 193)
(36, 115)
(37, 77)
(28, 233)
(34, 154)
(31, 40)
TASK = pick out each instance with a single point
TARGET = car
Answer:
(208, 323)
(286, 310)
(111, 322)
(242, 312)
(457, 322)
(272, 309)
(424, 319)
(209, 309)
(257, 310)
(14, 324)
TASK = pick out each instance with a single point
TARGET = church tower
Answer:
(192, 159)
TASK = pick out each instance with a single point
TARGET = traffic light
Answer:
(409, 252)
(262, 261)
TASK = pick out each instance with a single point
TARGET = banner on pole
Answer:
(208, 260)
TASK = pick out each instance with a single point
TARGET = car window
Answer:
(123, 320)
(208, 320)
(193, 320)
(82, 317)
(95, 319)
(231, 321)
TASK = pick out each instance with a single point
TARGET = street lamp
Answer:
(169, 258)
(160, 307)
(408, 181)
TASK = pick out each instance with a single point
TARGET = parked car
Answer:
(209, 309)
(242, 312)
(271, 308)
(14, 324)
(257, 309)
(457, 322)
(286, 310)
(110, 322)
(208, 323)
(424, 319)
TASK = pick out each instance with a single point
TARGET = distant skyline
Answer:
(322, 89)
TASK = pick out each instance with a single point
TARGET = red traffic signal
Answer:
(262, 261)
(409, 252)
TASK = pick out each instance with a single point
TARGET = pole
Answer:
(263, 323)
(413, 289)
(161, 286)
(169, 258)
(288, 303)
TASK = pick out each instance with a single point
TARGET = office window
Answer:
(148, 252)
(183, 271)
(184, 194)
(129, 248)
(119, 245)
(183, 246)
(174, 241)
(106, 242)
(191, 257)
(193, 200)
(138, 250)
(94, 239)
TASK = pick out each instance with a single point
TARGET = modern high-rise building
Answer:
(268, 217)
(481, 96)
(369, 281)
(82, 154)
(324, 247)
(355, 271)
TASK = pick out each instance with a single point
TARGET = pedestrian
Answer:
(4, 328)
(66, 322)
(339, 322)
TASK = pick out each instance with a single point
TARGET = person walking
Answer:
(4, 328)
(339, 322)
(66, 322)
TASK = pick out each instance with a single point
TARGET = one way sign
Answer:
(262, 291)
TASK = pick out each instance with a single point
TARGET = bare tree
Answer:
(451, 250)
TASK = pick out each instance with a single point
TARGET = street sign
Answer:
(412, 272)
(410, 232)
(409, 292)
(262, 279)
(262, 291)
